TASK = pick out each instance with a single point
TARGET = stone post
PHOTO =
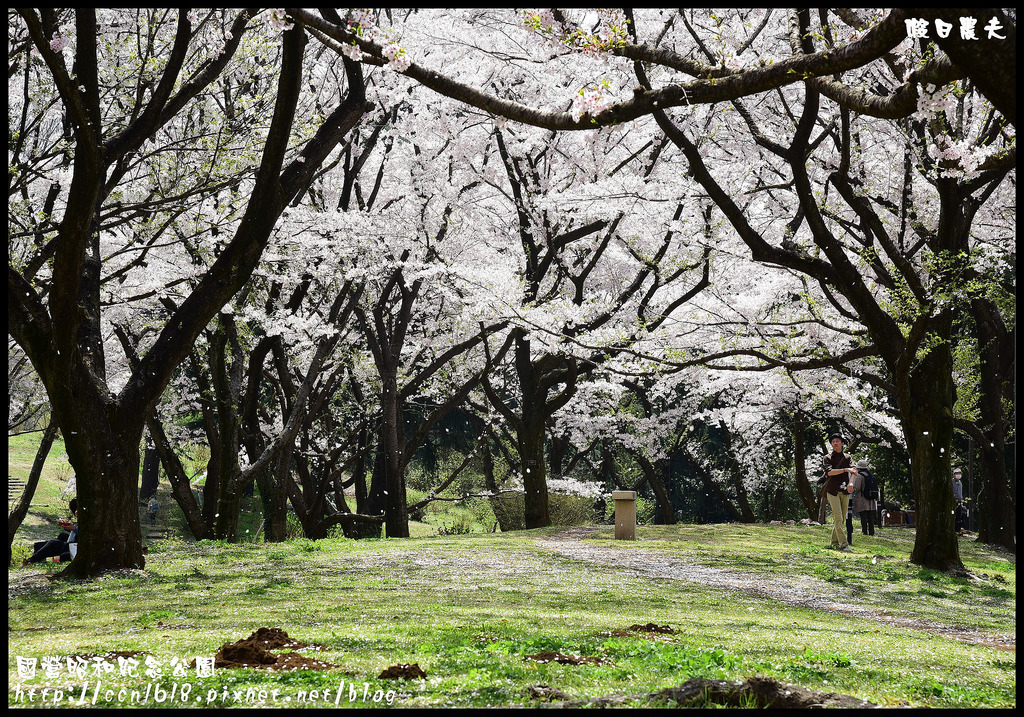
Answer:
(625, 514)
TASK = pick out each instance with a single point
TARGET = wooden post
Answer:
(625, 514)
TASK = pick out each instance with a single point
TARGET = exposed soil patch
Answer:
(545, 693)
(651, 627)
(651, 631)
(274, 638)
(807, 591)
(403, 672)
(564, 659)
(254, 651)
(753, 692)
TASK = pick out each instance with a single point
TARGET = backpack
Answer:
(870, 486)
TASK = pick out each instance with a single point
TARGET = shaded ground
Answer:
(806, 591)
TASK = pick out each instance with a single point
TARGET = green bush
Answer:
(459, 526)
(509, 511)
(562, 509)
(571, 509)
(645, 510)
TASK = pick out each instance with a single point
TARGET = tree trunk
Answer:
(392, 443)
(483, 433)
(652, 474)
(925, 395)
(229, 505)
(274, 496)
(181, 489)
(736, 475)
(108, 516)
(530, 443)
(556, 457)
(150, 472)
(997, 351)
(375, 495)
(808, 495)
(711, 484)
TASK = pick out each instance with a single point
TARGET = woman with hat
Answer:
(864, 504)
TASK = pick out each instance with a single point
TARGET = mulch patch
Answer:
(648, 630)
(254, 651)
(564, 659)
(651, 627)
(754, 691)
(545, 693)
(403, 672)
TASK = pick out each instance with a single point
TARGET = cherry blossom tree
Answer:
(55, 311)
(915, 351)
(828, 147)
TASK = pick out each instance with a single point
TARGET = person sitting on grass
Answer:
(64, 546)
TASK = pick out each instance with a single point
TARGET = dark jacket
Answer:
(837, 483)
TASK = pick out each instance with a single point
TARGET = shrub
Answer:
(459, 526)
(564, 509)
(568, 509)
(509, 511)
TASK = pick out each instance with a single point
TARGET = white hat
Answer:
(957, 470)
(862, 464)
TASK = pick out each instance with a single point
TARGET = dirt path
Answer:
(807, 592)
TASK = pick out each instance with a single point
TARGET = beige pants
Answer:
(839, 504)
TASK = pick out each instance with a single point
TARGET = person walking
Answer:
(958, 498)
(865, 495)
(838, 470)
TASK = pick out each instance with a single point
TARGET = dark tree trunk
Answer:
(108, 508)
(559, 447)
(392, 443)
(925, 397)
(736, 475)
(226, 369)
(808, 494)
(273, 485)
(375, 495)
(484, 437)
(652, 475)
(530, 444)
(711, 484)
(537, 379)
(229, 506)
(996, 349)
(359, 476)
(181, 489)
(150, 472)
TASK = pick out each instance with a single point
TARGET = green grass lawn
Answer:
(469, 609)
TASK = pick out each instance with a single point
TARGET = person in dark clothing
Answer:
(63, 547)
(864, 493)
(838, 471)
(960, 515)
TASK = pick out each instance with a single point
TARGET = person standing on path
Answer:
(838, 470)
(958, 496)
(863, 502)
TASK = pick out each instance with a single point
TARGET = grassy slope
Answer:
(469, 608)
